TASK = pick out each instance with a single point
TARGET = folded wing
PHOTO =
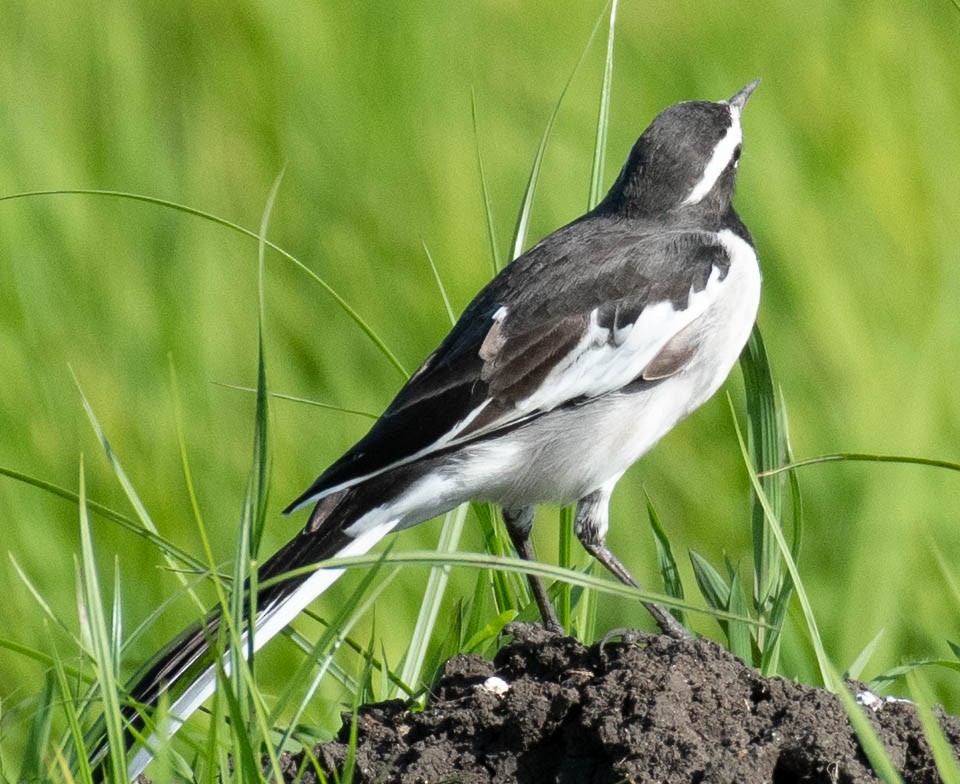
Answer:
(549, 331)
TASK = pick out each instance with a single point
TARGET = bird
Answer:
(566, 368)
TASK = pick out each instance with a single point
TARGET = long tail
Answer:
(186, 669)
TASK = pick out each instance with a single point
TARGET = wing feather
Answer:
(548, 331)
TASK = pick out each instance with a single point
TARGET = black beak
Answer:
(741, 97)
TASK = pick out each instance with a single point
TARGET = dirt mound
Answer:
(549, 709)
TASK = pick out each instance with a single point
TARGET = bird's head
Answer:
(685, 160)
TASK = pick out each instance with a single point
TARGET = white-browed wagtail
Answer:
(561, 373)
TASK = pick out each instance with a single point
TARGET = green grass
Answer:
(847, 182)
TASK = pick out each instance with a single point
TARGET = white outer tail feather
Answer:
(270, 622)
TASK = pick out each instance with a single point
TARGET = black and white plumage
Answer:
(561, 373)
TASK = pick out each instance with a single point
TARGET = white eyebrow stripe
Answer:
(722, 154)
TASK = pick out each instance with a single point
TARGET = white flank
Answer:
(270, 623)
(722, 154)
(597, 366)
(744, 300)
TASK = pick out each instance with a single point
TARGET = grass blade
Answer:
(943, 754)
(74, 732)
(243, 600)
(496, 545)
(304, 400)
(773, 524)
(769, 643)
(243, 755)
(116, 626)
(484, 190)
(669, 572)
(322, 652)
(714, 588)
(184, 460)
(207, 216)
(43, 603)
(526, 205)
(603, 117)
(31, 766)
(103, 647)
(902, 669)
(564, 599)
(478, 609)
(132, 496)
(513, 566)
(767, 451)
(872, 746)
(184, 558)
(738, 633)
(946, 573)
(412, 671)
(489, 632)
(443, 289)
(869, 742)
(865, 457)
(45, 660)
(587, 609)
(259, 487)
(856, 669)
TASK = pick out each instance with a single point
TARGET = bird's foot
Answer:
(668, 624)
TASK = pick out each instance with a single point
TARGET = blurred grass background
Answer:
(848, 183)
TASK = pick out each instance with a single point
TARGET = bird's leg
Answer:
(590, 526)
(519, 523)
